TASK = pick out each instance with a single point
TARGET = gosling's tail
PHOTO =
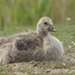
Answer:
(2, 39)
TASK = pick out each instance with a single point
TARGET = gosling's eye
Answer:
(45, 23)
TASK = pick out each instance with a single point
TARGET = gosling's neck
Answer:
(42, 34)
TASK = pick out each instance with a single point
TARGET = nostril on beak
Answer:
(53, 29)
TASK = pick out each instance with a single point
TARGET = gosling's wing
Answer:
(29, 42)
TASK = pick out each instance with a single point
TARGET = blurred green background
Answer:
(27, 12)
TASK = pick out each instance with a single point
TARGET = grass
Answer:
(65, 66)
(4, 70)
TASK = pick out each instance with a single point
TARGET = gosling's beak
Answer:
(52, 28)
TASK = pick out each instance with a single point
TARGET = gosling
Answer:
(52, 47)
(42, 45)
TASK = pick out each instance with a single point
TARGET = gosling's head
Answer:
(45, 25)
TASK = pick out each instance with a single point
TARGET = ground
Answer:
(64, 66)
